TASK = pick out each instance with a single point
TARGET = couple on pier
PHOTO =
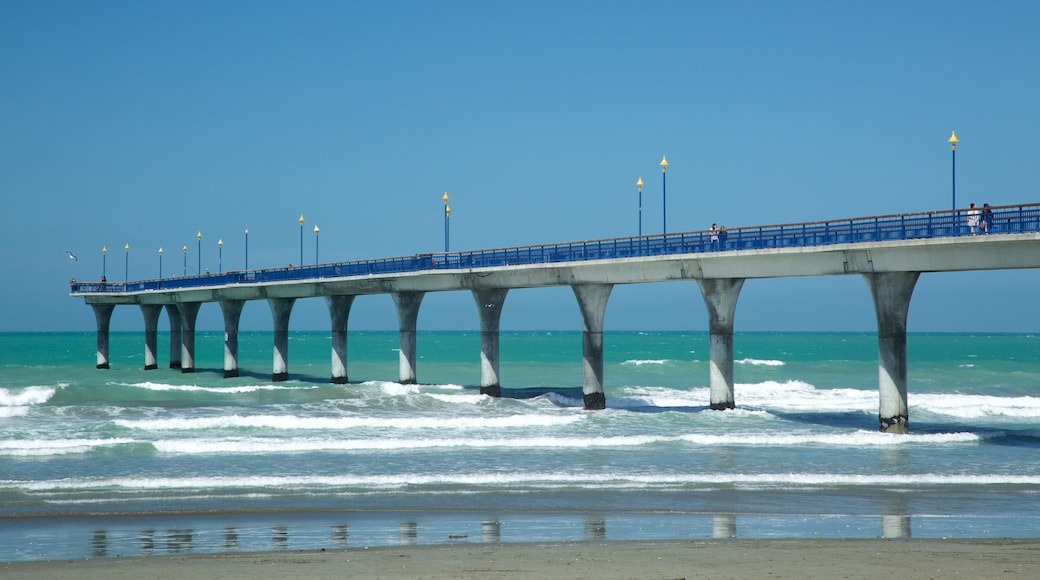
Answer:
(980, 220)
(717, 236)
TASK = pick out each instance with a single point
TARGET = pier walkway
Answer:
(890, 252)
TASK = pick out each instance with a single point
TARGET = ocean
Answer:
(128, 462)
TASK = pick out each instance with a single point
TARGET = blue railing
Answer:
(937, 224)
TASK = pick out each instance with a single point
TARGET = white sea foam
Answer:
(976, 406)
(35, 395)
(338, 423)
(45, 447)
(418, 482)
(641, 362)
(225, 390)
(760, 362)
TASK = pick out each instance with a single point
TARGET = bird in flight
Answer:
(71, 255)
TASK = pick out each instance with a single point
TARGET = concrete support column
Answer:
(407, 315)
(489, 306)
(720, 298)
(281, 308)
(151, 324)
(189, 312)
(174, 315)
(891, 292)
(103, 316)
(339, 312)
(232, 310)
(592, 301)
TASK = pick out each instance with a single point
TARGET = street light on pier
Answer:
(199, 237)
(447, 215)
(104, 256)
(639, 185)
(301, 239)
(953, 152)
(316, 230)
(160, 263)
(126, 266)
(185, 248)
(220, 256)
(247, 249)
(664, 197)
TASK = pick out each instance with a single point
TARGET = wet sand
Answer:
(873, 559)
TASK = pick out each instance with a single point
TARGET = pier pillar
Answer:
(189, 312)
(339, 311)
(407, 314)
(103, 316)
(151, 324)
(174, 315)
(232, 310)
(281, 308)
(720, 298)
(891, 292)
(489, 306)
(592, 301)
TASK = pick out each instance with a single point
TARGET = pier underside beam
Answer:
(173, 314)
(891, 292)
(720, 298)
(189, 312)
(151, 325)
(489, 306)
(592, 301)
(407, 316)
(103, 317)
(281, 309)
(232, 310)
(339, 312)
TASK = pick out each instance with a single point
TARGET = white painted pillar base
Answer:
(150, 312)
(232, 311)
(592, 301)
(407, 316)
(103, 317)
(489, 306)
(891, 292)
(281, 309)
(173, 314)
(339, 312)
(189, 312)
(720, 297)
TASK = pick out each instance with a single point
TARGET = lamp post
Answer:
(104, 256)
(220, 256)
(447, 214)
(126, 265)
(301, 239)
(185, 248)
(247, 249)
(199, 237)
(953, 152)
(160, 263)
(316, 230)
(664, 196)
(639, 185)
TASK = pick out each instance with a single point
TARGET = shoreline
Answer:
(857, 558)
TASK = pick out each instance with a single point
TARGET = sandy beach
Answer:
(914, 559)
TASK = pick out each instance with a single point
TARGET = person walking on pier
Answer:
(713, 236)
(987, 218)
(973, 218)
(723, 234)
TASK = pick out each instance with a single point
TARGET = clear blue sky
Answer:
(143, 122)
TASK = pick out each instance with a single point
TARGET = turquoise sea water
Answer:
(130, 462)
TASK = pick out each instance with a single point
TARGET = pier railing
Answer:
(933, 224)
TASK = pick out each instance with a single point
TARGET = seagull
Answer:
(72, 256)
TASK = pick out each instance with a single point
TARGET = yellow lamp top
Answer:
(315, 229)
(127, 247)
(953, 140)
(160, 251)
(301, 220)
(664, 164)
(445, 198)
(640, 182)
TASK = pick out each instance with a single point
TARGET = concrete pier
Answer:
(891, 292)
(592, 301)
(489, 306)
(339, 312)
(407, 316)
(232, 311)
(173, 314)
(720, 298)
(103, 317)
(189, 312)
(150, 312)
(281, 309)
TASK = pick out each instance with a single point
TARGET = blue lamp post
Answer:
(447, 215)
(953, 152)
(160, 263)
(126, 265)
(199, 237)
(220, 256)
(247, 249)
(104, 256)
(316, 230)
(664, 196)
(185, 249)
(301, 239)
(639, 185)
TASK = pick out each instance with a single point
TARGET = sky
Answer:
(143, 123)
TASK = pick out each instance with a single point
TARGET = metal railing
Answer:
(922, 225)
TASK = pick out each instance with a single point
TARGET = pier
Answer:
(889, 252)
